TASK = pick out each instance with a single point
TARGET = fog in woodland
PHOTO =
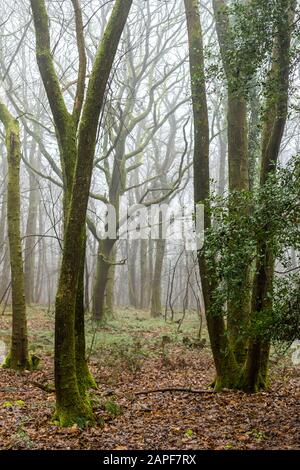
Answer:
(129, 131)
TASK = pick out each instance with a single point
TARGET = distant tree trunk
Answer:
(223, 358)
(151, 270)
(31, 229)
(144, 273)
(275, 116)
(156, 305)
(4, 258)
(132, 288)
(110, 286)
(18, 357)
(103, 266)
(41, 258)
(86, 287)
(222, 166)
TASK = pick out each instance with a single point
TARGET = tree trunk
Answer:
(84, 377)
(77, 153)
(238, 304)
(132, 288)
(110, 287)
(275, 116)
(143, 272)
(103, 267)
(223, 155)
(223, 358)
(4, 256)
(41, 258)
(18, 357)
(31, 229)
(156, 305)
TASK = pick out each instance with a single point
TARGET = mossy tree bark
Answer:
(18, 358)
(84, 377)
(226, 368)
(77, 155)
(274, 118)
(234, 370)
(239, 300)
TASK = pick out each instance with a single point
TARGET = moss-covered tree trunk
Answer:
(3, 229)
(18, 358)
(77, 152)
(239, 295)
(274, 118)
(84, 377)
(225, 365)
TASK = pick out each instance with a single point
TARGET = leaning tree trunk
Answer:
(18, 357)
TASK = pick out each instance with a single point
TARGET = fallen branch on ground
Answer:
(46, 388)
(174, 389)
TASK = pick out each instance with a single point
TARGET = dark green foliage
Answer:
(231, 246)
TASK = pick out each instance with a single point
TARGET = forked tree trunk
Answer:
(77, 150)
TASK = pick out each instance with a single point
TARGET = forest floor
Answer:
(134, 353)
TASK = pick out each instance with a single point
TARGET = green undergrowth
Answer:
(127, 339)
